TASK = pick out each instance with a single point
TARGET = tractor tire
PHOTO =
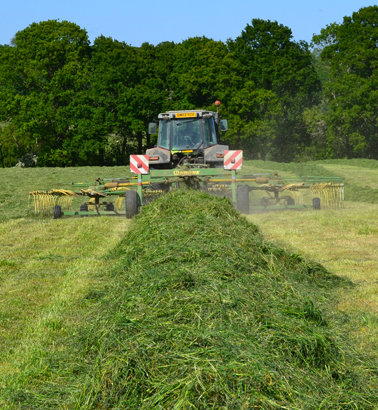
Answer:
(242, 204)
(290, 201)
(110, 207)
(316, 203)
(57, 211)
(83, 208)
(132, 203)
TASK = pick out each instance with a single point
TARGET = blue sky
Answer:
(150, 21)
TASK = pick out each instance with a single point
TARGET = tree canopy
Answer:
(282, 75)
(41, 76)
(350, 50)
(66, 102)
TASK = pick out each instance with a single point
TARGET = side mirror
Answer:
(223, 125)
(152, 128)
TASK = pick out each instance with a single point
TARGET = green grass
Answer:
(293, 168)
(363, 177)
(16, 183)
(357, 162)
(345, 242)
(192, 309)
(47, 270)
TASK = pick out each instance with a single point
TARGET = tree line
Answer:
(66, 102)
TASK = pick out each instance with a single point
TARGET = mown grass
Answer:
(194, 309)
(357, 162)
(345, 242)
(364, 177)
(16, 183)
(72, 329)
(292, 168)
(47, 268)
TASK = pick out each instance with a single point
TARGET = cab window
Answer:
(209, 134)
(164, 132)
(186, 134)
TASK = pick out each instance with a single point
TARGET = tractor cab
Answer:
(187, 137)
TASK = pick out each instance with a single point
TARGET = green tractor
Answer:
(187, 137)
(189, 153)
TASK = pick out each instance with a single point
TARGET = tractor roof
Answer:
(186, 114)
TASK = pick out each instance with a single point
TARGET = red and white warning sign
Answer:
(139, 164)
(233, 159)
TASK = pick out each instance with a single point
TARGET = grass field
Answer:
(52, 273)
(16, 183)
(346, 243)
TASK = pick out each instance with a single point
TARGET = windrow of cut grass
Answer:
(200, 312)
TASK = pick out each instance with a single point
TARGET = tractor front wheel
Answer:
(132, 202)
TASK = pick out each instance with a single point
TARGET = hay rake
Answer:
(249, 192)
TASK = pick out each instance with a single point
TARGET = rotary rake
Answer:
(248, 192)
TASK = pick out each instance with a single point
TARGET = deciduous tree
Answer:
(268, 57)
(41, 76)
(350, 49)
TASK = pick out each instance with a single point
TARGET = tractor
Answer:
(189, 153)
(187, 137)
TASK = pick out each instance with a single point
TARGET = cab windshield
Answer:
(181, 134)
(186, 134)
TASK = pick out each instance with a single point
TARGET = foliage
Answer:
(317, 127)
(320, 66)
(269, 60)
(41, 75)
(201, 74)
(112, 78)
(10, 150)
(350, 50)
(199, 318)
(70, 103)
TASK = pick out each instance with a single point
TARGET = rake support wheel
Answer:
(290, 201)
(242, 203)
(316, 203)
(132, 202)
(57, 211)
(83, 208)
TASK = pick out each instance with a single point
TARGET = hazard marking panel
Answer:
(139, 164)
(233, 159)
